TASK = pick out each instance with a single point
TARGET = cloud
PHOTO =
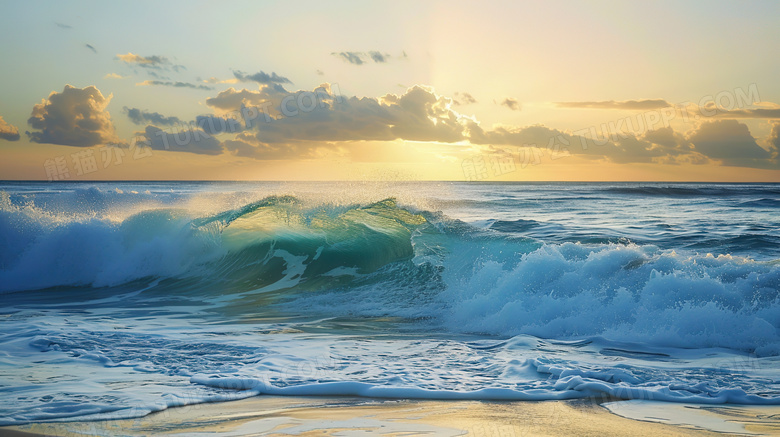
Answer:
(62, 26)
(378, 57)
(174, 84)
(296, 123)
(417, 115)
(247, 146)
(422, 115)
(774, 137)
(625, 148)
(216, 80)
(139, 116)
(113, 76)
(463, 99)
(8, 131)
(75, 117)
(730, 142)
(360, 58)
(770, 113)
(355, 58)
(232, 100)
(664, 136)
(149, 62)
(632, 105)
(261, 77)
(299, 124)
(190, 141)
(511, 103)
(726, 141)
(282, 123)
(89, 46)
(214, 125)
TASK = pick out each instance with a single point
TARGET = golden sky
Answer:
(553, 90)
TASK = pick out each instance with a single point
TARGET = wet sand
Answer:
(284, 416)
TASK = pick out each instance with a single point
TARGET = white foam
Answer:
(621, 292)
(686, 415)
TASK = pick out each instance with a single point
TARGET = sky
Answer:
(455, 90)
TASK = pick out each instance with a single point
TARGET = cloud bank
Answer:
(290, 124)
(271, 122)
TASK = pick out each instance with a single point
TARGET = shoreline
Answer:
(304, 416)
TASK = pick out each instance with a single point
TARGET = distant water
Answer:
(124, 298)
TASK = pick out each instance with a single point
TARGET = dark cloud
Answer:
(214, 125)
(463, 99)
(378, 57)
(511, 103)
(174, 84)
(8, 131)
(189, 140)
(730, 142)
(360, 58)
(633, 105)
(139, 116)
(355, 58)
(89, 46)
(75, 117)
(261, 77)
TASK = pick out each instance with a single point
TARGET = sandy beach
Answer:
(284, 416)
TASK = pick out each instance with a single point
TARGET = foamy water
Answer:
(126, 298)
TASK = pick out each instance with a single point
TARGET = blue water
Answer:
(120, 299)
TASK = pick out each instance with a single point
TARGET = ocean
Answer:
(124, 298)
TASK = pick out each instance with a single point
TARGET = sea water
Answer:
(124, 298)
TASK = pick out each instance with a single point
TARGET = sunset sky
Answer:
(553, 90)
